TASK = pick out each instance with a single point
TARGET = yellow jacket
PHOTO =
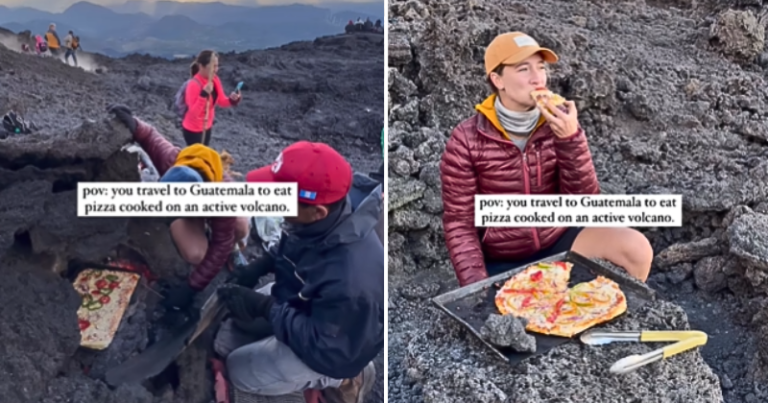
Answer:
(53, 40)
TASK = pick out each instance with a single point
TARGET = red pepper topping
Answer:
(513, 291)
(101, 284)
(114, 285)
(556, 312)
(83, 324)
(104, 300)
(537, 276)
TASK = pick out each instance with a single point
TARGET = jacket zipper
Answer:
(526, 181)
(296, 273)
(538, 166)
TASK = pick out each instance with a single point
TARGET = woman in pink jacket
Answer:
(196, 96)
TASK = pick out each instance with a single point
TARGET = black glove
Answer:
(249, 275)
(124, 115)
(261, 328)
(179, 298)
(244, 303)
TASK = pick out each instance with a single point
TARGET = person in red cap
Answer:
(320, 324)
(515, 145)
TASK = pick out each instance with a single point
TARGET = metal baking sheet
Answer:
(471, 305)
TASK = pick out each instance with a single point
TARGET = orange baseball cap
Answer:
(513, 48)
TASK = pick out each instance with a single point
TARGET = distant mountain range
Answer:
(169, 28)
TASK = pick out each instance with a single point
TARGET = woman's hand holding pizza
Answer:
(563, 124)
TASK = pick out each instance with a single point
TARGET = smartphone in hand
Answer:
(239, 86)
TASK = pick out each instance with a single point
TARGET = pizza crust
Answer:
(542, 94)
(540, 294)
(105, 296)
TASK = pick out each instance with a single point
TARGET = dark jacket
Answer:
(329, 290)
(479, 159)
(222, 240)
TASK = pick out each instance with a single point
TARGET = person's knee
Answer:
(624, 247)
(194, 256)
(241, 228)
(190, 240)
(192, 252)
(639, 253)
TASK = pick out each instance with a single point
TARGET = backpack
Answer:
(15, 124)
(180, 101)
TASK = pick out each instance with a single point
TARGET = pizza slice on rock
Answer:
(105, 296)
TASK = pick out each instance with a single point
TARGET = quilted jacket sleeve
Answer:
(162, 153)
(576, 170)
(221, 245)
(459, 186)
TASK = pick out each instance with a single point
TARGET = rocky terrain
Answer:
(327, 90)
(673, 99)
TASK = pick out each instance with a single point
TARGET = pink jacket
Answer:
(38, 43)
(193, 120)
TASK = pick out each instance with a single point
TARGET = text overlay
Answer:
(231, 199)
(578, 210)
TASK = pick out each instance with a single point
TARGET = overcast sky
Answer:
(61, 5)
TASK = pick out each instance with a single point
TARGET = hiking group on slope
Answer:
(316, 328)
(52, 44)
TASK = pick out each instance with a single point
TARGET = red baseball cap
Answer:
(322, 174)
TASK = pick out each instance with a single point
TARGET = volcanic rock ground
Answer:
(327, 90)
(672, 96)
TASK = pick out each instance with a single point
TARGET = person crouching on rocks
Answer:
(320, 324)
(201, 93)
(514, 146)
(197, 163)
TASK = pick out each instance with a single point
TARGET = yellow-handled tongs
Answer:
(686, 340)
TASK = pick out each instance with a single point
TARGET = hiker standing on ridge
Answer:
(515, 146)
(320, 324)
(52, 39)
(70, 44)
(207, 251)
(200, 92)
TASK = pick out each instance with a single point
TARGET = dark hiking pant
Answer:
(70, 52)
(196, 137)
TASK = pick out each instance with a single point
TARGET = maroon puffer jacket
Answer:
(478, 159)
(163, 155)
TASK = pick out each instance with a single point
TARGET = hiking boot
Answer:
(353, 390)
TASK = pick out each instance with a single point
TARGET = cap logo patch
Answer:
(305, 194)
(278, 163)
(525, 40)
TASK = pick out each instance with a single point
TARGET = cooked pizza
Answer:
(106, 294)
(541, 95)
(541, 295)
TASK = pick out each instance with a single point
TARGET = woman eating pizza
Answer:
(516, 145)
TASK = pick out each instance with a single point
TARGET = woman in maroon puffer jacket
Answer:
(513, 146)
